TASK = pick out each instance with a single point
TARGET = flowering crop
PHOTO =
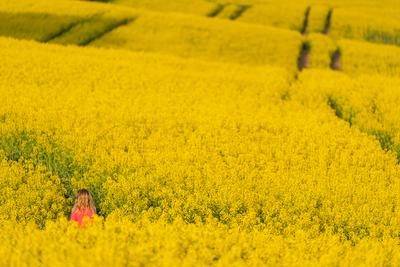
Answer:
(199, 138)
(216, 40)
(357, 58)
(373, 24)
(195, 7)
(175, 34)
(368, 102)
(189, 162)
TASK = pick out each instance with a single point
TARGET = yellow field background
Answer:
(254, 132)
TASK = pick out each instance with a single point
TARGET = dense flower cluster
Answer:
(82, 23)
(368, 22)
(122, 243)
(215, 40)
(266, 33)
(191, 162)
(367, 102)
(198, 137)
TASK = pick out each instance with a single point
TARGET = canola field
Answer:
(240, 133)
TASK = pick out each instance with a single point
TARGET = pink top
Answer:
(79, 215)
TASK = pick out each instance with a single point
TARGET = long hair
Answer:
(83, 201)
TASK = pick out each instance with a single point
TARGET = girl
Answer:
(83, 208)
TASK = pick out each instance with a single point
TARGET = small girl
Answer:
(83, 208)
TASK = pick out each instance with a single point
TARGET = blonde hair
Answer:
(83, 201)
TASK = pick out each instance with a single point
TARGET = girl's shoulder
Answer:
(82, 212)
(88, 212)
(92, 212)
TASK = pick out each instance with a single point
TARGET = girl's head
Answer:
(83, 201)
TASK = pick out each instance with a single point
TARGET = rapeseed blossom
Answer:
(189, 162)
